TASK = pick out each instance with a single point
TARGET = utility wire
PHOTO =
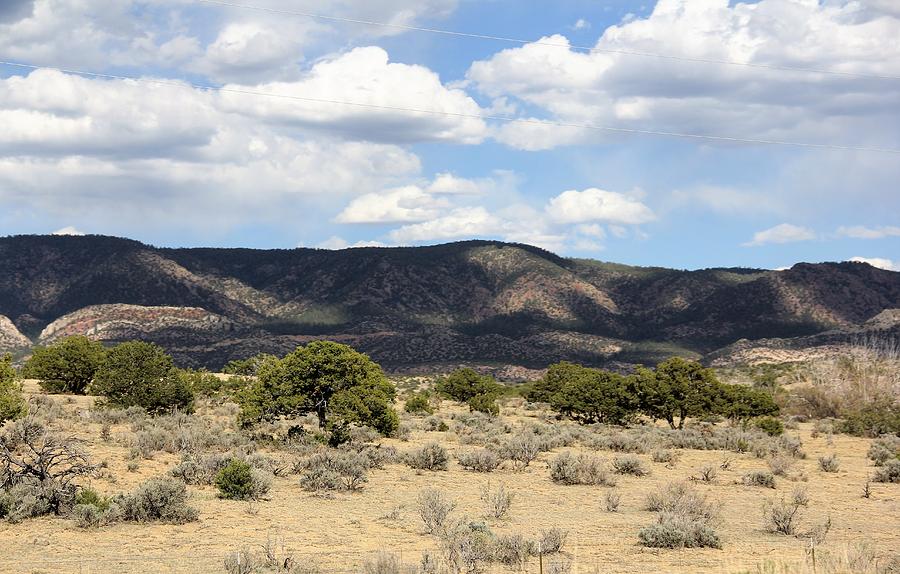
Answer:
(483, 117)
(519, 41)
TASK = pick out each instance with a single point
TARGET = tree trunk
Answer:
(320, 410)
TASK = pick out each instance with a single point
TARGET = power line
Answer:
(483, 117)
(591, 49)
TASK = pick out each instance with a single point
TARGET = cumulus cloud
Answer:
(164, 153)
(366, 76)
(224, 43)
(459, 223)
(605, 88)
(780, 234)
(862, 232)
(879, 262)
(598, 205)
(398, 205)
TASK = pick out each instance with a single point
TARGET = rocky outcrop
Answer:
(10, 337)
(126, 322)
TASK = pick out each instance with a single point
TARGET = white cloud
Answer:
(783, 233)
(366, 76)
(251, 51)
(581, 24)
(627, 91)
(403, 204)
(598, 205)
(415, 203)
(224, 43)
(461, 222)
(447, 183)
(335, 242)
(879, 262)
(591, 230)
(862, 232)
(69, 230)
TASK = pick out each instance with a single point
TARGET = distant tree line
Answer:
(342, 386)
(674, 391)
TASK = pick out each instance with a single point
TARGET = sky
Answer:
(314, 133)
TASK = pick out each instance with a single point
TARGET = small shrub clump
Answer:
(158, 500)
(889, 472)
(571, 469)
(432, 457)
(497, 502)
(482, 460)
(239, 481)
(664, 455)
(884, 449)
(769, 425)
(685, 520)
(829, 463)
(629, 464)
(335, 470)
(759, 478)
(419, 404)
(612, 501)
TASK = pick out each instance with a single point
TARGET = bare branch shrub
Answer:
(497, 502)
(434, 509)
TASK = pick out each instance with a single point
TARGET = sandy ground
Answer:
(339, 533)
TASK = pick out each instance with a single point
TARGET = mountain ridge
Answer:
(472, 301)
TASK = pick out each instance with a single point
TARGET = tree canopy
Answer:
(674, 391)
(327, 378)
(67, 366)
(595, 396)
(465, 385)
(141, 374)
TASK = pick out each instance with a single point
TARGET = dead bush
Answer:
(781, 516)
(39, 470)
(386, 563)
(707, 473)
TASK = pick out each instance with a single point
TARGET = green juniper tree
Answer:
(327, 378)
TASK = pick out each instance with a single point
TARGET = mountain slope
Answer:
(476, 301)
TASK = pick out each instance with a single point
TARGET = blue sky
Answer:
(177, 166)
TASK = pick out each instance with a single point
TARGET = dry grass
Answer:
(342, 531)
